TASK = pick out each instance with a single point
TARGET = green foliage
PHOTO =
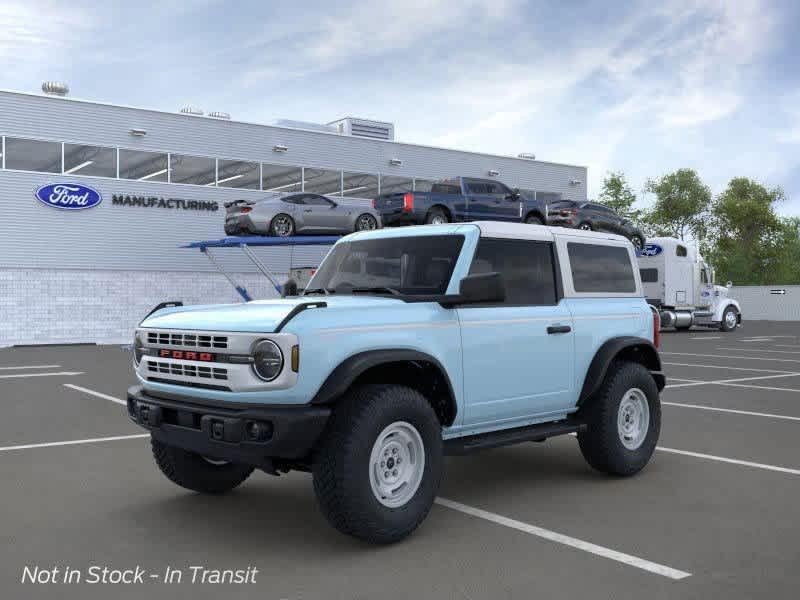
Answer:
(618, 196)
(749, 243)
(681, 206)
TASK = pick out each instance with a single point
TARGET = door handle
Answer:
(551, 329)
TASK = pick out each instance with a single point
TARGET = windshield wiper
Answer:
(375, 290)
(324, 291)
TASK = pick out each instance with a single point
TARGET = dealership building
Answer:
(89, 275)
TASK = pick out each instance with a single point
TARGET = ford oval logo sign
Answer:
(652, 250)
(68, 196)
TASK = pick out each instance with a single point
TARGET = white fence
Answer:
(768, 302)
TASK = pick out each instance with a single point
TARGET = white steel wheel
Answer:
(633, 418)
(396, 464)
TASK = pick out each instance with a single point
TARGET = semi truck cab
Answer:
(681, 285)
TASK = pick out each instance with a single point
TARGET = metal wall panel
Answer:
(768, 303)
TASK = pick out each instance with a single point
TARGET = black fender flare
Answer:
(638, 349)
(342, 377)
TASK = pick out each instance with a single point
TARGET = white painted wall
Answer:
(760, 304)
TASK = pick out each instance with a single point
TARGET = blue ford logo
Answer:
(68, 196)
(651, 250)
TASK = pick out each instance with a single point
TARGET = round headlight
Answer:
(137, 348)
(267, 360)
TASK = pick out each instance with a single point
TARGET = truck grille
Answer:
(172, 368)
(189, 340)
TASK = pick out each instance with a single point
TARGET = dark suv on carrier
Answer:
(591, 216)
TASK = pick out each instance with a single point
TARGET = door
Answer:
(599, 216)
(478, 200)
(705, 291)
(518, 355)
(319, 214)
(504, 205)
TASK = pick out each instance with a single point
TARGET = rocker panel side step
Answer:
(506, 437)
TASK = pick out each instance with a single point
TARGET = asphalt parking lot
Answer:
(714, 515)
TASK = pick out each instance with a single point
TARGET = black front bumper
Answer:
(251, 434)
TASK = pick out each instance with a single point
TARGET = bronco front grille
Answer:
(172, 368)
(191, 340)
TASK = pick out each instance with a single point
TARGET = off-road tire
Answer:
(341, 462)
(194, 472)
(600, 444)
(640, 241)
(435, 213)
(723, 325)
(534, 220)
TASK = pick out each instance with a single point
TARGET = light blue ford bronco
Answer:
(408, 344)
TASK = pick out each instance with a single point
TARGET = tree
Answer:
(749, 240)
(618, 195)
(681, 205)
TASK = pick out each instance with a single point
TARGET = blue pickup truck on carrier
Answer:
(408, 344)
(459, 200)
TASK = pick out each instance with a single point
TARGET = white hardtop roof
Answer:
(524, 230)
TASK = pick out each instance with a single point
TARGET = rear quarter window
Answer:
(601, 269)
(649, 275)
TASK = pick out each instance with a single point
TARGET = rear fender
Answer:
(634, 349)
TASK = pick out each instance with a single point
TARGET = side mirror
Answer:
(729, 285)
(484, 287)
(289, 288)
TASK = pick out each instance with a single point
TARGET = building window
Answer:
(144, 166)
(527, 267)
(90, 160)
(323, 181)
(601, 269)
(360, 185)
(238, 174)
(280, 178)
(195, 170)
(423, 185)
(33, 155)
(396, 185)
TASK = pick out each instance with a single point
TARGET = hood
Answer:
(259, 316)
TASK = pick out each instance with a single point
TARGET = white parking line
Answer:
(30, 367)
(733, 461)
(760, 350)
(74, 442)
(730, 381)
(18, 375)
(761, 387)
(732, 411)
(714, 337)
(791, 360)
(723, 367)
(560, 538)
(93, 393)
(786, 345)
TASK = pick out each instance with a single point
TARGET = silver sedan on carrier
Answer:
(282, 215)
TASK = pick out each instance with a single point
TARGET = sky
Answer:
(639, 87)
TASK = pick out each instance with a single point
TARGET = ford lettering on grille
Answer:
(186, 355)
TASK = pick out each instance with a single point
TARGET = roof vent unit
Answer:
(527, 155)
(375, 130)
(216, 114)
(192, 110)
(55, 88)
(303, 125)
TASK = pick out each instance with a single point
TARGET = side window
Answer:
(601, 269)
(294, 199)
(649, 275)
(317, 201)
(475, 187)
(527, 268)
(703, 276)
(681, 251)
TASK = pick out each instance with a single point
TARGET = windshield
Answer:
(404, 265)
